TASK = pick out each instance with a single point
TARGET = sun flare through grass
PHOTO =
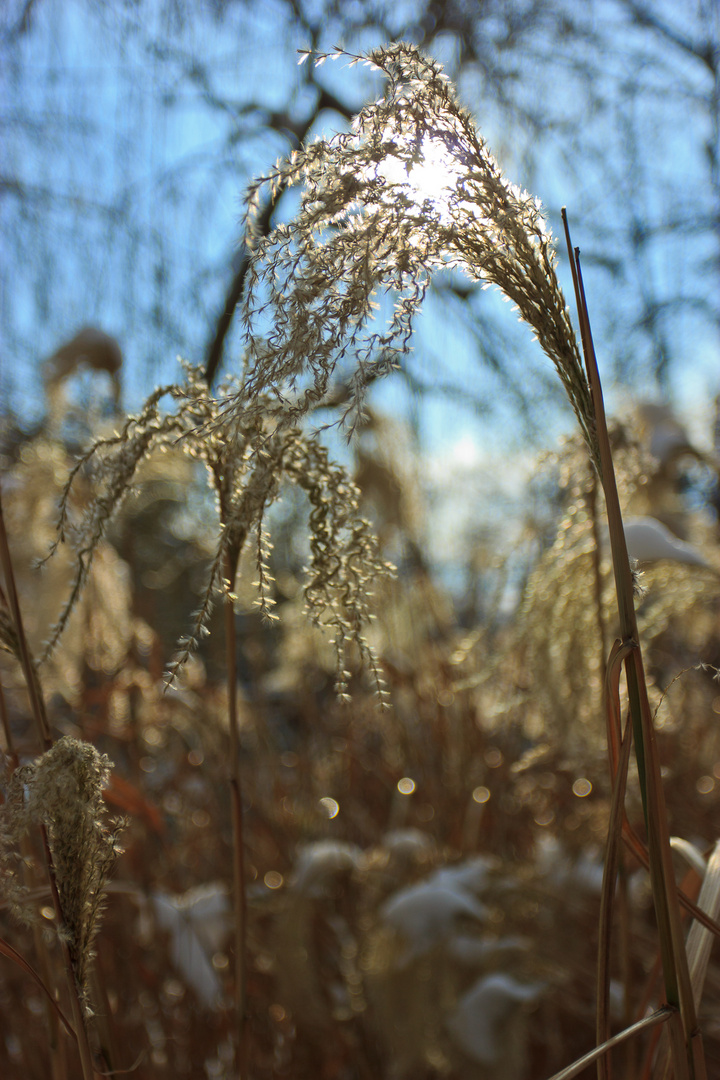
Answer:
(411, 189)
(429, 177)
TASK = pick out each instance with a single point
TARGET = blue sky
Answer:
(133, 165)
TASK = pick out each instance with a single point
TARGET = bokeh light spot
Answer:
(582, 787)
(493, 757)
(330, 806)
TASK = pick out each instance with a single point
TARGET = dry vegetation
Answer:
(421, 883)
(368, 931)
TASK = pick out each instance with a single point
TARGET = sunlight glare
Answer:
(432, 178)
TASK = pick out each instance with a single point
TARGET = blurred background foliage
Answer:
(423, 884)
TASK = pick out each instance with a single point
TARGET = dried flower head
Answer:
(62, 790)
(412, 188)
(247, 467)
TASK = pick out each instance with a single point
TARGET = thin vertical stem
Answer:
(38, 711)
(591, 500)
(57, 1057)
(83, 1042)
(672, 947)
(31, 679)
(6, 729)
(610, 870)
(240, 907)
(623, 905)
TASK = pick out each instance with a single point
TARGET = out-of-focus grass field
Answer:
(422, 883)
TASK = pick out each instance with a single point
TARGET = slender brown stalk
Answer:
(630, 1052)
(31, 679)
(240, 912)
(83, 1043)
(675, 967)
(610, 870)
(7, 730)
(659, 1017)
(57, 1056)
(619, 753)
(56, 1045)
(38, 710)
(104, 1026)
(591, 500)
(7, 950)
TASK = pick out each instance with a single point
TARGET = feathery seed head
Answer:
(410, 189)
(247, 461)
(62, 790)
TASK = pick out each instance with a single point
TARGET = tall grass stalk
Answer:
(660, 1016)
(676, 974)
(42, 978)
(39, 714)
(239, 895)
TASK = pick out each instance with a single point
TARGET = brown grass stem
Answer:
(38, 711)
(103, 1020)
(630, 1056)
(37, 705)
(44, 960)
(53, 1014)
(12, 954)
(81, 1034)
(675, 967)
(659, 1017)
(591, 500)
(612, 702)
(36, 700)
(610, 871)
(7, 730)
(641, 853)
(239, 907)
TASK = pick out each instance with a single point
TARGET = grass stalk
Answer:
(699, 941)
(7, 950)
(678, 988)
(630, 1049)
(40, 716)
(610, 871)
(591, 501)
(104, 1024)
(53, 1015)
(81, 1033)
(239, 904)
(661, 1016)
(44, 961)
(33, 687)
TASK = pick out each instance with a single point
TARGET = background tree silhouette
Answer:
(131, 129)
